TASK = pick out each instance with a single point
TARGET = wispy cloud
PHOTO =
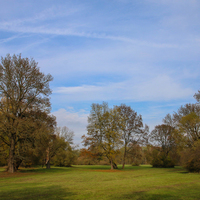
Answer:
(161, 88)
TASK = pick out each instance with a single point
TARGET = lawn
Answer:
(99, 182)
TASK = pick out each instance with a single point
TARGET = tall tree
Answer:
(131, 127)
(22, 88)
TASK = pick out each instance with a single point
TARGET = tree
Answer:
(197, 96)
(162, 137)
(191, 157)
(42, 134)
(23, 88)
(103, 132)
(66, 133)
(131, 127)
(54, 145)
(187, 122)
(64, 156)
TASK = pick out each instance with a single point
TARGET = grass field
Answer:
(99, 182)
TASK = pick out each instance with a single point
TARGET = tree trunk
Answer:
(115, 165)
(48, 165)
(11, 161)
(124, 158)
(47, 159)
(17, 164)
(111, 163)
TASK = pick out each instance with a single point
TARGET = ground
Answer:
(99, 182)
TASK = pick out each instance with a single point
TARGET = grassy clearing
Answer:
(99, 182)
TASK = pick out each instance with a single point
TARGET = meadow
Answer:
(99, 182)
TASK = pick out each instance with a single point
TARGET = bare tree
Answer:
(131, 127)
(66, 133)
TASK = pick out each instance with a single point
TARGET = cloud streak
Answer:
(161, 88)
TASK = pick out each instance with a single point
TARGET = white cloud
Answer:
(75, 121)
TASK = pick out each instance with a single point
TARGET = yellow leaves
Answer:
(190, 125)
(191, 119)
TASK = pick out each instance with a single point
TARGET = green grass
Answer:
(98, 182)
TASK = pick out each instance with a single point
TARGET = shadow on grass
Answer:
(44, 170)
(91, 167)
(39, 193)
(186, 172)
(145, 196)
(107, 167)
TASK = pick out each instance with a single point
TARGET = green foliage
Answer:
(159, 159)
(64, 157)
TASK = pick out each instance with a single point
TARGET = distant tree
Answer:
(23, 88)
(197, 96)
(191, 157)
(64, 155)
(163, 139)
(187, 123)
(103, 132)
(135, 154)
(66, 133)
(132, 130)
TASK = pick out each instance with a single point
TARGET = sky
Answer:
(143, 53)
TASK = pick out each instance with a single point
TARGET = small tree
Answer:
(64, 156)
(162, 137)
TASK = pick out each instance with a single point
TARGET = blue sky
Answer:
(142, 53)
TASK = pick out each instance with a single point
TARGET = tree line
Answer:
(118, 133)
(29, 134)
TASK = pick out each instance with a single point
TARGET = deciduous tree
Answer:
(23, 88)
(163, 139)
(103, 132)
(131, 128)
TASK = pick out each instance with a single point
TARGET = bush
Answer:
(160, 159)
(191, 158)
(136, 163)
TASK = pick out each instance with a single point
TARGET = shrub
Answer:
(160, 159)
(191, 158)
